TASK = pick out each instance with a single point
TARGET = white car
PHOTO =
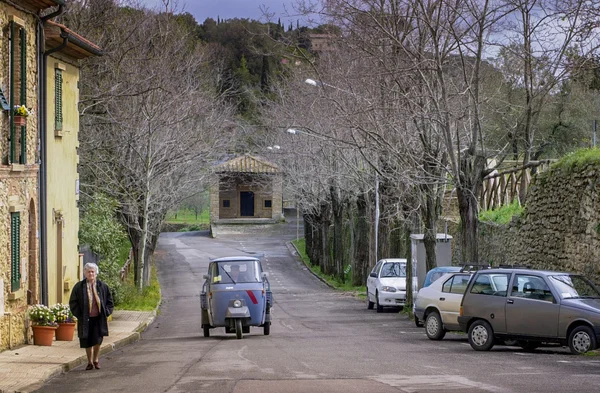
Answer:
(386, 285)
(439, 304)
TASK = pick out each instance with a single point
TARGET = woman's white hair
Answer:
(90, 266)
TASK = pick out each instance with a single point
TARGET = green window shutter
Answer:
(58, 101)
(23, 36)
(15, 251)
(11, 88)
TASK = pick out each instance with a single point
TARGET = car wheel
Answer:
(581, 340)
(379, 306)
(238, 328)
(433, 326)
(528, 345)
(370, 304)
(267, 328)
(481, 336)
(206, 330)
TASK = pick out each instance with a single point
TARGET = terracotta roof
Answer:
(40, 4)
(247, 164)
(77, 46)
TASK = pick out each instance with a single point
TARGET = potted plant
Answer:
(43, 324)
(66, 322)
(20, 115)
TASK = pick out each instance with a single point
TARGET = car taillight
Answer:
(461, 311)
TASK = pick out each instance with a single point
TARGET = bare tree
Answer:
(151, 128)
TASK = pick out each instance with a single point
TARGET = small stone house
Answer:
(246, 189)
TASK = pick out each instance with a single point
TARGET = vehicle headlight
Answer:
(388, 289)
(237, 303)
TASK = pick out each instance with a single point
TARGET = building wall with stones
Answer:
(19, 284)
(559, 228)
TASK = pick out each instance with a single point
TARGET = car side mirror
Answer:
(373, 274)
(205, 276)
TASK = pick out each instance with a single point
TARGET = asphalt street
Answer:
(321, 340)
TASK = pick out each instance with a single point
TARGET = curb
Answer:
(294, 251)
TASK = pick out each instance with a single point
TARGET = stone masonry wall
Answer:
(560, 227)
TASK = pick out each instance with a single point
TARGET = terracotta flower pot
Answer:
(65, 331)
(43, 335)
(20, 121)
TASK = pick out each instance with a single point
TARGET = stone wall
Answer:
(559, 228)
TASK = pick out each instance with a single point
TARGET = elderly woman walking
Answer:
(91, 302)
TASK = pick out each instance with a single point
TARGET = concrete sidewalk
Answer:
(27, 367)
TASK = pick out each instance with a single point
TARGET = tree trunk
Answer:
(360, 268)
(337, 208)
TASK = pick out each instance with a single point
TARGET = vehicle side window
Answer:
(483, 284)
(456, 284)
(531, 287)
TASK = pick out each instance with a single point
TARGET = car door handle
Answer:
(442, 298)
(510, 301)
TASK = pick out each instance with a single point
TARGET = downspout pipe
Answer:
(42, 126)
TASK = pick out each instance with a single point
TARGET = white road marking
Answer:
(416, 383)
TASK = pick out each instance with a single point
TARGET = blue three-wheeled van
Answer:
(236, 295)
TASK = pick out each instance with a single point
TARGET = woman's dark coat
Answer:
(80, 307)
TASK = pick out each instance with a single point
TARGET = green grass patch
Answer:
(187, 216)
(147, 300)
(502, 215)
(335, 282)
(579, 158)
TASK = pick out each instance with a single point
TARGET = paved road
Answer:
(321, 341)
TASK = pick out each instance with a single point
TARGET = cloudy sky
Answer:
(202, 9)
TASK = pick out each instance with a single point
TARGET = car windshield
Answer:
(237, 272)
(393, 269)
(571, 286)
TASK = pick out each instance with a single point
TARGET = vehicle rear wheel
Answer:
(581, 340)
(206, 330)
(238, 328)
(481, 336)
(267, 328)
(433, 326)
(528, 345)
(379, 306)
(370, 304)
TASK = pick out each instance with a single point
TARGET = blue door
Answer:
(246, 204)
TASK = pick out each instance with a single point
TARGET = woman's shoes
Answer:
(97, 365)
(90, 366)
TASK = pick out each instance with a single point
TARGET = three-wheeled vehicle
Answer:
(236, 295)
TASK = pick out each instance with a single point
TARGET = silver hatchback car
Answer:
(535, 307)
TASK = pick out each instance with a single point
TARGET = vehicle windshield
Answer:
(571, 286)
(393, 269)
(237, 272)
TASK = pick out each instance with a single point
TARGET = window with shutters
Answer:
(15, 251)
(17, 94)
(58, 99)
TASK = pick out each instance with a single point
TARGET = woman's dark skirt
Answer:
(94, 335)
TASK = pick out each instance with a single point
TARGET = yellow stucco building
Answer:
(62, 186)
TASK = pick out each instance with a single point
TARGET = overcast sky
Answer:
(225, 9)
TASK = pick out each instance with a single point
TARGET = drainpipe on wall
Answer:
(42, 115)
